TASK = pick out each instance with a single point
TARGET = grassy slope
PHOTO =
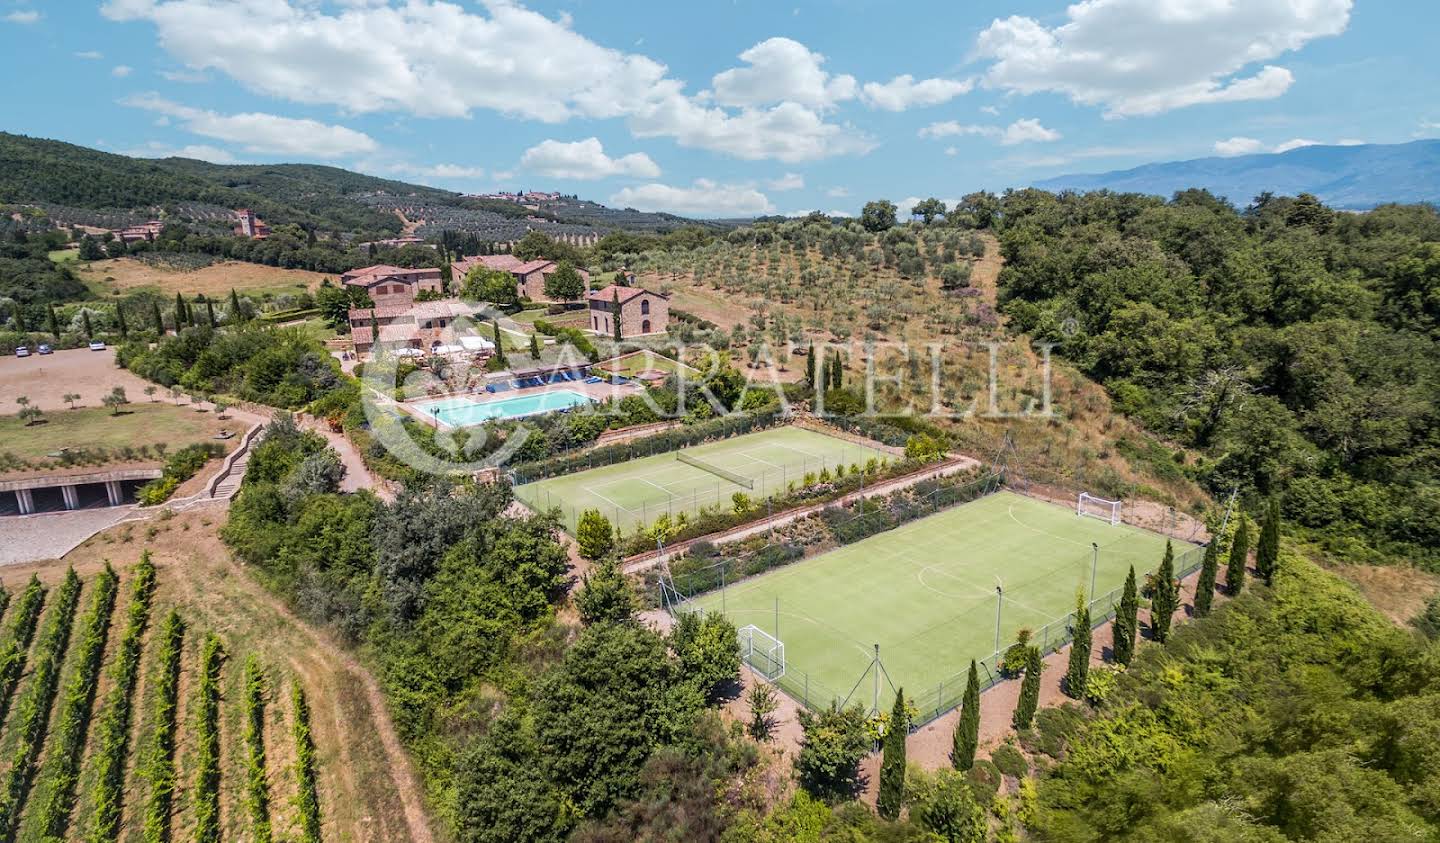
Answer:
(94, 427)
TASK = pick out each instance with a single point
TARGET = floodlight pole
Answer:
(875, 699)
(1094, 564)
(999, 602)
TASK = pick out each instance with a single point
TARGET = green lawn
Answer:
(139, 423)
(633, 364)
(638, 491)
(925, 592)
(63, 255)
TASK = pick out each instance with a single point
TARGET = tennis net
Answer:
(738, 479)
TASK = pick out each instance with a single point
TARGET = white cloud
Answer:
(1351, 142)
(904, 205)
(1137, 57)
(839, 213)
(1238, 146)
(951, 150)
(261, 133)
(838, 192)
(90, 55)
(990, 110)
(903, 92)
(23, 16)
(1295, 143)
(186, 76)
(437, 59)
(201, 152)
(585, 159)
(782, 70)
(705, 198)
(1028, 130)
(120, 71)
(789, 181)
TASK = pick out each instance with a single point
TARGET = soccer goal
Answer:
(762, 651)
(1088, 504)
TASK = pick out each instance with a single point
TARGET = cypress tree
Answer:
(158, 319)
(810, 365)
(19, 314)
(236, 314)
(967, 731)
(499, 343)
(1166, 599)
(616, 305)
(892, 764)
(1239, 555)
(85, 320)
(1078, 670)
(210, 312)
(120, 322)
(1267, 551)
(179, 312)
(54, 323)
(1029, 689)
(1205, 587)
(1127, 620)
(837, 372)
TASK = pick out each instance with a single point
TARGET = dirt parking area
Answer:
(45, 379)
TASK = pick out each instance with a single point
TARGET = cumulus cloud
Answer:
(585, 159)
(120, 71)
(1295, 143)
(90, 55)
(261, 133)
(838, 192)
(1028, 130)
(705, 198)
(1238, 146)
(23, 16)
(200, 152)
(782, 70)
(1140, 57)
(903, 92)
(438, 59)
(789, 181)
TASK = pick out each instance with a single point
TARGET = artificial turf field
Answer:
(925, 592)
(638, 491)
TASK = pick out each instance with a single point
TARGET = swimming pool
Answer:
(463, 412)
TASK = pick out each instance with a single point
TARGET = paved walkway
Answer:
(357, 474)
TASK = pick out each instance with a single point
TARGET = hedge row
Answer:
(307, 800)
(4, 600)
(207, 739)
(162, 744)
(181, 466)
(257, 789)
(75, 707)
(33, 716)
(112, 741)
(17, 643)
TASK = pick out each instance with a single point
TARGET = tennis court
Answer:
(638, 491)
(926, 593)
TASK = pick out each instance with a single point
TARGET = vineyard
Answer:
(115, 728)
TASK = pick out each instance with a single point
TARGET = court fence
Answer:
(874, 683)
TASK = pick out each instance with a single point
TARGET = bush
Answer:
(984, 780)
(1009, 760)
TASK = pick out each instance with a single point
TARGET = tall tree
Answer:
(120, 321)
(615, 308)
(534, 347)
(236, 314)
(878, 215)
(85, 322)
(1239, 557)
(54, 322)
(1167, 597)
(1127, 621)
(157, 318)
(565, 283)
(180, 315)
(594, 535)
(810, 365)
(1205, 587)
(1029, 689)
(967, 731)
(892, 765)
(499, 343)
(210, 312)
(1078, 669)
(1267, 550)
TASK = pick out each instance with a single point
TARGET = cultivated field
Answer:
(638, 491)
(925, 592)
(109, 277)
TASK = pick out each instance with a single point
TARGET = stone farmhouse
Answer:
(429, 327)
(393, 285)
(640, 311)
(529, 275)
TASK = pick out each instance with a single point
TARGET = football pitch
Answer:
(926, 593)
(638, 491)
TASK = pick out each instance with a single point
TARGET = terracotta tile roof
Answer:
(626, 293)
(370, 274)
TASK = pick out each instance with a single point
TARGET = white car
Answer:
(97, 345)
(22, 351)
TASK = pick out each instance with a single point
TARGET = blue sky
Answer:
(722, 108)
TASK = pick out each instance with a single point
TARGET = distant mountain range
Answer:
(86, 186)
(1353, 177)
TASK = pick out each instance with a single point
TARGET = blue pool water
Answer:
(462, 412)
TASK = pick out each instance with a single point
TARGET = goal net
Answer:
(1088, 504)
(737, 479)
(762, 651)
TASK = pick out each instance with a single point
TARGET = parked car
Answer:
(22, 351)
(45, 348)
(97, 345)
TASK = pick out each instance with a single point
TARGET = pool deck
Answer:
(597, 392)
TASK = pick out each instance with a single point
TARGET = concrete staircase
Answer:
(227, 482)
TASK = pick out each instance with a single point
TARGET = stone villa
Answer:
(641, 311)
(529, 275)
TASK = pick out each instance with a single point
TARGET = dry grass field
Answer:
(110, 277)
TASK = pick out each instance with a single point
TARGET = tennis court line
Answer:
(591, 491)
